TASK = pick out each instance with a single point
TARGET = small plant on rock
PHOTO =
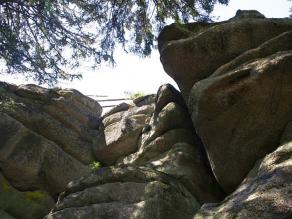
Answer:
(95, 165)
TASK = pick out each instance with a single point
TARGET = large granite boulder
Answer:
(125, 192)
(282, 42)
(192, 52)
(47, 139)
(240, 115)
(55, 114)
(30, 161)
(235, 77)
(265, 193)
(169, 144)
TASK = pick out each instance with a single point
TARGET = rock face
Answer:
(266, 191)
(159, 135)
(243, 113)
(128, 192)
(120, 130)
(169, 144)
(236, 77)
(47, 138)
(30, 161)
(55, 114)
(192, 52)
(26, 205)
(167, 166)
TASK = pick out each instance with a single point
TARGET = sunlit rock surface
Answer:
(65, 117)
(120, 132)
(125, 192)
(192, 52)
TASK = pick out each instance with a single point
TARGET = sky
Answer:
(133, 74)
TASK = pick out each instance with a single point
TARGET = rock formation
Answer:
(128, 192)
(265, 192)
(47, 139)
(236, 79)
(222, 148)
(169, 144)
(192, 52)
(121, 131)
(26, 205)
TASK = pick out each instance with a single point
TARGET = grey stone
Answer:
(192, 52)
(125, 192)
(240, 115)
(265, 193)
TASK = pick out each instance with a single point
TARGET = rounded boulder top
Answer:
(243, 14)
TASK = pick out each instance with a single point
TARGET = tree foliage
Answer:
(42, 39)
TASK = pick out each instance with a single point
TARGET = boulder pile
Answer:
(220, 148)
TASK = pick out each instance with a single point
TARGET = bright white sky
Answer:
(133, 74)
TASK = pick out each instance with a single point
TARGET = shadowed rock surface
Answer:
(26, 205)
(266, 191)
(47, 137)
(31, 162)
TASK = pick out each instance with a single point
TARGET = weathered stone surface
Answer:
(121, 132)
(241, 114)
(127, 192)
(192, 52)
(187, 163)
(170, 145)
(69, 99)
(119, 108)
(279, 43)
(159, 145)
(24, 205)
(168, 124)
(172, 116)
(47, 138)
(32, 162)
(167, 94)
(55, 114)
(144, 100)
(265, 193)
